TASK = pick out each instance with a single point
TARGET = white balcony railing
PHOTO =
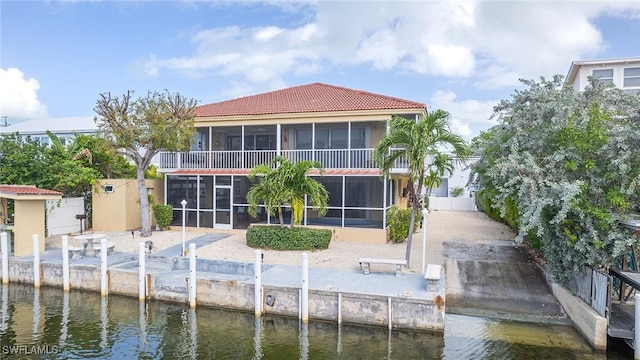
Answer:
(329, 158)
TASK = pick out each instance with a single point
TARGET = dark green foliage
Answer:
(285, 238)
(399, 221)
(163, 215)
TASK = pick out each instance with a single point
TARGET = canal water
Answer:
(49, 323)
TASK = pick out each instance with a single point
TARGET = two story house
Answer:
(336, 126)
(624, 73)
(64, 128)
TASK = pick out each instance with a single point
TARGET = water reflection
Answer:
(50, 323)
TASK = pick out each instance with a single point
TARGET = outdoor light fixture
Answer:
(184, 204)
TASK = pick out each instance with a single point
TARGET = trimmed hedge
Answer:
(297, 238)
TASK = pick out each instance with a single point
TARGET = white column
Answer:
(257, 271)
(192, 275)
(142, 275)
(103, 267)
(4, 247)
(65, 263)
(424, 239)
(304, 312)
(278, 139)
(36, 260)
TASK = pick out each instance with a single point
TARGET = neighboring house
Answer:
(64, 128)
(457, 179)
(623, 73)
(336, 126)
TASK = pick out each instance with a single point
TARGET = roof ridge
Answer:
(306, 98)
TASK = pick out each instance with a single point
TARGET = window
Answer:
(631, 77)
(358, 139)
(332, 138)
(604, 75)
(303, 139)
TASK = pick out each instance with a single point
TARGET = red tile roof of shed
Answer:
(315, 97)
(27, 190)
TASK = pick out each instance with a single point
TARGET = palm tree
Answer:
(441, 165)
(283, 182)
(413, 141)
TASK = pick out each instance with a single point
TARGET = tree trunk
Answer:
(145, 214)
(410, 235)
(280, 216)
(413, 199)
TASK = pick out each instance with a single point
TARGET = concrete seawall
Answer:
(348, 296)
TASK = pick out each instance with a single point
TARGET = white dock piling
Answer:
(141, 273)
(636, 350)
(257, 271)
(304, 312)
(4, 247)
(103, 267)
(192, 275)
(339, 308)
(65, 263)
(424, 239)
(36, 260)
(390, 314)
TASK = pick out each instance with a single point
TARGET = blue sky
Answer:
(56, 57)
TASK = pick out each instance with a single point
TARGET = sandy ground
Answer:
(442, 226)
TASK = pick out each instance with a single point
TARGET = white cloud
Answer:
(468, 117)
(492, 42)
(267, 33)
(18, 96)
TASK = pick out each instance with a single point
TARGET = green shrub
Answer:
(399, 220)
(163, 215)
(278, 238)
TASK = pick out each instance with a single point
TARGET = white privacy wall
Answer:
(61, 215)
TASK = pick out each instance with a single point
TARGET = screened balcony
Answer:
(335, 146)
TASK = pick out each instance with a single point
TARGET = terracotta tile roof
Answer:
(315, 97)
(27, 190)
(327, 172)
